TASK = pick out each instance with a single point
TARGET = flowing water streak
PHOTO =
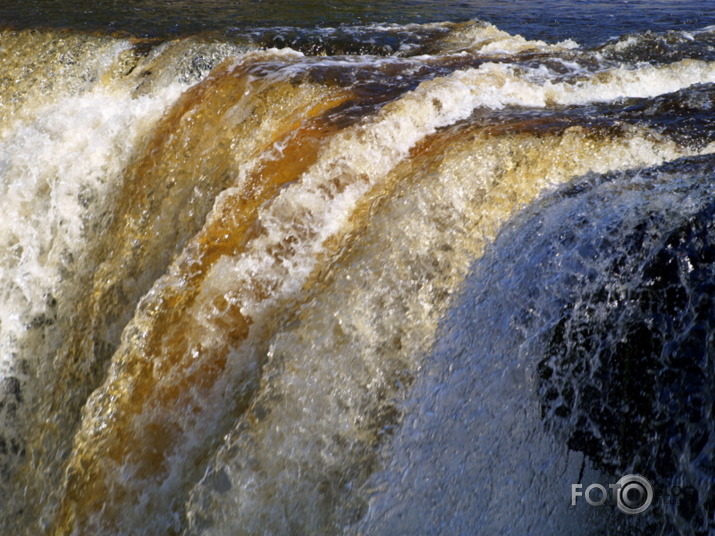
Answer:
(174, 383)
(57, 183)
(77, 111)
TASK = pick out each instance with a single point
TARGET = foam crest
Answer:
(496, 85)
(487, 39)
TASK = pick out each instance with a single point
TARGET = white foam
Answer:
(69, 68)
(56, 173)
(499, 85)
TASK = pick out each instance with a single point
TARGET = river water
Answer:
(374, 269)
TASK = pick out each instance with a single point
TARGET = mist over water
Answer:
(373, 269)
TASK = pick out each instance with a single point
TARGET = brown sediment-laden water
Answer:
(370, 279)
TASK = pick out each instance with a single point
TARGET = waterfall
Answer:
(263, 287)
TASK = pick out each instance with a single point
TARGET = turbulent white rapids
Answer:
(245, 290)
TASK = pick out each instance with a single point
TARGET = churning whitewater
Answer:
(312, 289)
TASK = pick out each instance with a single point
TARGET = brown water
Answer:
(230, 272)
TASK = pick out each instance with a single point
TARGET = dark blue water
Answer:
(586, 21)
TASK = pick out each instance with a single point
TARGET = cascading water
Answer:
(372, 279)
(578, 349)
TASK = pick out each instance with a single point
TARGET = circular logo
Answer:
(634, 494)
